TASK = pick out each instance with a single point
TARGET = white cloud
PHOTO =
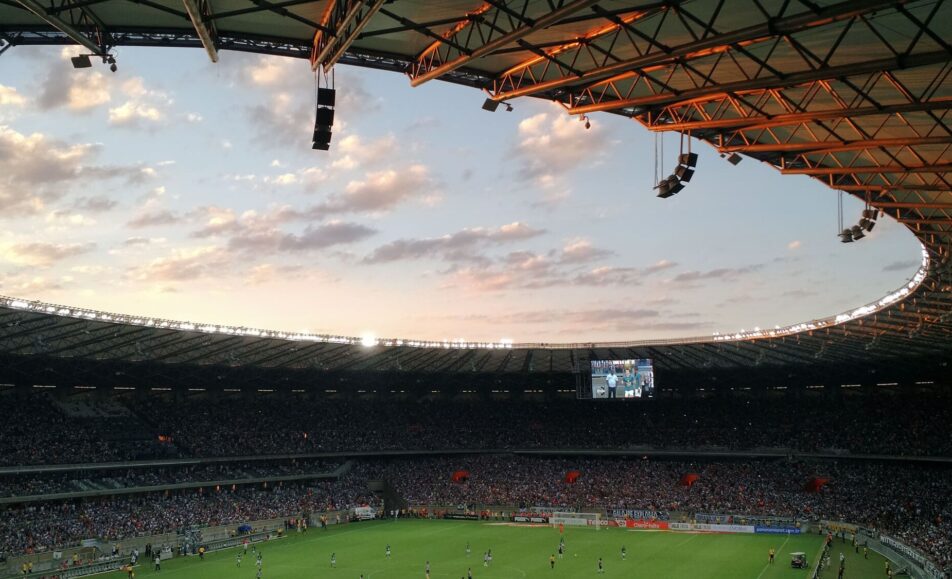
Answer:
(143, 107)
(10, 97)
(39, 254)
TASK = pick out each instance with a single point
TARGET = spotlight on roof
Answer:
(490, 105)
(81, 61)
(846, 236)
(508, 107)
(368, 341)
(112, 63)
(734, 158)
(585, 119)
(857, 232)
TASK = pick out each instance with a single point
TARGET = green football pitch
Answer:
(518, 552)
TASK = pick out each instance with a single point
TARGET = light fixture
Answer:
(490, 105)
(734, 158)
(112, 63)
(508, 107)
(81, 61)
(584, 119)
(846, 236)
(857, 232)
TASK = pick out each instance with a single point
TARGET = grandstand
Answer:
(126, 434)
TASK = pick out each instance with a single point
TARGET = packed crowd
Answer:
(35, 431)
(913, 503)
(38, 526)
(23, 485)
(208, 427)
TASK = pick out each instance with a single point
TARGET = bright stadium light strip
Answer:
(459, 343)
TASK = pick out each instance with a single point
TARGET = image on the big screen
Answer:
(623, 379)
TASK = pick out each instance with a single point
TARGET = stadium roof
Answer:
(854, 93)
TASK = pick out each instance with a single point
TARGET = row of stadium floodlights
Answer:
(459, 343)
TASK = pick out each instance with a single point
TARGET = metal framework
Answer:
(853, 93)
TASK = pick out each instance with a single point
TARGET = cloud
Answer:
(267, 272)
(659, 266)
(379, 192)
(719, 273)
(183, 265)
(36, 169)
(582, 251)
(62, 217)
(95, 204)
(356, 152)
(549, 143)
(903, 265)
(38, 254)
(153, 218)
(141, 241)
(143, 107)
(78, 90)
(28, 286)
(456, 246)
(312, 238)
(9, 97)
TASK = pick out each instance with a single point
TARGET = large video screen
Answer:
(623, 379)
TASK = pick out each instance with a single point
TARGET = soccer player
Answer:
(427, 568)
(258, 562)
(562, 528)
(601, 566)
(489, 555)
(486, 559)
(771, 554)
(552, 561)
(388, 551)
(238, 560)
(561, 549)
(334, 560)
(158, 563)
(469, 573)
(258, 575)
(624, 552)
(865, 552)
(467, 549)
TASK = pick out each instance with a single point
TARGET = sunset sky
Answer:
(183, 189)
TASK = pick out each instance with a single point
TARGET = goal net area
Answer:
(593, 520)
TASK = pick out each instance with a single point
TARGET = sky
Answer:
(187, 190)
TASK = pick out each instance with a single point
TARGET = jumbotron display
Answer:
(623, 379)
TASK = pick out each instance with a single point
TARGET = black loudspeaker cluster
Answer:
(858, 231)
(324, 120)
(682, 174)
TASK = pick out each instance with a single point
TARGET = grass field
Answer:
(518, 552)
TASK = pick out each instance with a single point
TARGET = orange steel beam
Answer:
(910, 205)
(429, 65)
(757, 84)
(704, 47)
(344, 22)
(769, 122)
(861, 188)
(820, 147)
(942, 168)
